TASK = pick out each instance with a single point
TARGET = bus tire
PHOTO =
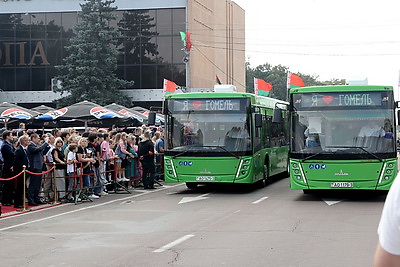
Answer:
(262, 183)
(307, 191)
(266, 171)
(191, 185)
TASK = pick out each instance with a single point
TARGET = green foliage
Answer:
(89, 69)
(277, 76)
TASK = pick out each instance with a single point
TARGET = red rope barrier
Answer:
(34, 173)
(8, 179)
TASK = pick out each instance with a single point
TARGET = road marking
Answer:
(191, 199)
(74, 211)
(331, 201)
(258, 201)
(173, 243)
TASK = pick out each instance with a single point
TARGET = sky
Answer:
(331, 39)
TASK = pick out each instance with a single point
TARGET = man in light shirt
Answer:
(388, 250)
(372, 129)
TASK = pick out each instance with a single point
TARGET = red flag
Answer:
(261, 87)
(294, 81)
(188, 42)
(169, 87)
(217, 79)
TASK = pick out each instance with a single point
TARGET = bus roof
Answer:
(255, 100)
(341, 88)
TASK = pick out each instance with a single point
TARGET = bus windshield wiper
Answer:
(224, 149)
(313, 155)
(180, 154)
(359, 147)
(186, 151)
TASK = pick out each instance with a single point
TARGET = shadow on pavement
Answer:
(348, 195)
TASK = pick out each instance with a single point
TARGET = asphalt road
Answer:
(212, 226)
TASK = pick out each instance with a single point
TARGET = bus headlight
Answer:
(296, 171)
(294, 165)
(298, 177)
(387, 177)
(388, 171)
(390, 165)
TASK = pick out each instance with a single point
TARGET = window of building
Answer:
(31, 45)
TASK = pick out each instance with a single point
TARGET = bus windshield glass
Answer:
(339, 124)
(208, 125)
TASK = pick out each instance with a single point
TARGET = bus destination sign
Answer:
(340, 99)
(207, 104)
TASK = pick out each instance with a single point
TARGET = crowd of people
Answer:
(88, 163)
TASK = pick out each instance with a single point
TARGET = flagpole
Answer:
(186, 59)
(287, 86)
(187, 71)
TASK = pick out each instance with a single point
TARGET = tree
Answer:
(88, 72)
(139, 29)
(277, 76)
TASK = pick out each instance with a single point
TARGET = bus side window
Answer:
(257, 138)
(267, 121)
(277, 134)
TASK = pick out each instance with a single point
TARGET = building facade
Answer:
(34, 34)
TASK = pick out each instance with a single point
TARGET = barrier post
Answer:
(24, 209)
(55, 201)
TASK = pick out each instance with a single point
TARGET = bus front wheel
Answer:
(191, 185)
(262, 183)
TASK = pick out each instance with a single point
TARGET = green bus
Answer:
(342, 137)
(224, 137)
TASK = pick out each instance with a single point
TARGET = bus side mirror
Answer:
(277, 117)
(398, 118)
(258, 120)
(397, 104)
(151, 119)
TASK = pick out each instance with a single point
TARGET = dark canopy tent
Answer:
(127, 112)
(86, 114)
(11, 115)
(42, 109)
(159, 117)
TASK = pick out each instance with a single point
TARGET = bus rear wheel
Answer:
(191, 185)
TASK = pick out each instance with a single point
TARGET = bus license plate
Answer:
(205, 178)
(342, 185)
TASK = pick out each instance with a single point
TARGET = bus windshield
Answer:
(219, 128)
(342, 131)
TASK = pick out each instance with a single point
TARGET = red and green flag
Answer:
(169, 87)
(187, 44)
(261, 87)
(294, 81)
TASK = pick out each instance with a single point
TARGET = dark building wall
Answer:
(31, 45)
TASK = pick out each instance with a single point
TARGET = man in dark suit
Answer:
(20, 160)
(146, 156)
(7, 150)
(36, 151)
